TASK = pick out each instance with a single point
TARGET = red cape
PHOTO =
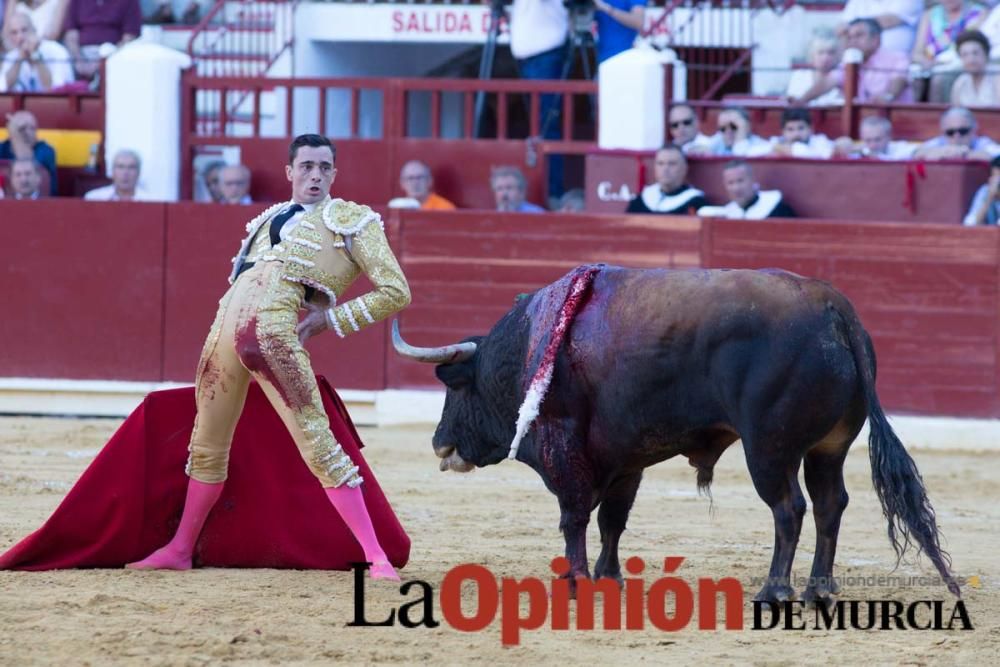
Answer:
(272, 513)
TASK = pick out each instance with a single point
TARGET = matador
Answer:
(304, 253)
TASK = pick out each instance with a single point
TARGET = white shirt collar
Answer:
(308, 208)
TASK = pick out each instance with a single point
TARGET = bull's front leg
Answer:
(570, 476)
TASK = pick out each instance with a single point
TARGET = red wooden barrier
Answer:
(934, 192)
(127, 291)
(928, 295)
(81, 290)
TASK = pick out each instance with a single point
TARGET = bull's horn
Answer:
(448, 354)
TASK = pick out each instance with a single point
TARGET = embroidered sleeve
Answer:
(370, 250)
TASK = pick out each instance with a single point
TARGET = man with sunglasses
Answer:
(735, 136)
(670, 194)
(685, 131)
(958, 139)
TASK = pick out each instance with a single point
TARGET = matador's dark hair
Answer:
(314, 140)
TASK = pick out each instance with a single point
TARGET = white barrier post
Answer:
(631, 100)
(142, 112)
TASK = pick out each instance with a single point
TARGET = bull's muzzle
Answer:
(451, 460)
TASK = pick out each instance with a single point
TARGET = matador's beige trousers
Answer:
(254, 336)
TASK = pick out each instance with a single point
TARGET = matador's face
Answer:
(311, 174)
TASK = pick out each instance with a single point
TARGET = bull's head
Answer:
(469, 434)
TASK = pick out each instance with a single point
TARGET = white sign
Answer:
(470, 24)
(398, 23)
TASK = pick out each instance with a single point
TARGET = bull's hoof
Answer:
(775, 593)
(821, 596)
(616, 576)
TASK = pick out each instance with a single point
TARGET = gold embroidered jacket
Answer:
(330, 247)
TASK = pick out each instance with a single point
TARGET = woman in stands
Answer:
(934, 55)
(824, 54)
(975, 87)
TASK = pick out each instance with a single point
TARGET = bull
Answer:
(652, 364)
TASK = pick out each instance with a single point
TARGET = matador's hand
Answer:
(313, 323)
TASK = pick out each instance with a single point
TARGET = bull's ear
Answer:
(455, 376)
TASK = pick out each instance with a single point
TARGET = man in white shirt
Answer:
(876, 142)
(797, 138)
(125, 169)
(959, 139)
(735, 136)
(685, 131)
(897, 18)
(33, 65)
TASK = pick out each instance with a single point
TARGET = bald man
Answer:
(417, 182)
(234, 185)
(33, 64)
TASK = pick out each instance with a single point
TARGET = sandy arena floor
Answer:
(501, 517)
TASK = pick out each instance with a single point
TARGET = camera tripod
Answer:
(486, 60)
(581, 42)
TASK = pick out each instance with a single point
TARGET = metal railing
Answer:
(242, 37)
(400, 107)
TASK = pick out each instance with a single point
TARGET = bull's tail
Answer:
(897, 481)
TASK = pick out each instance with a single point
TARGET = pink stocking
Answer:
(176, 555)
(350, 504)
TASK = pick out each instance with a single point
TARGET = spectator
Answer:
(25, 179)
(538, 41)
(735, 136)
(210, 177)
(824, 54)
(509, 188)
(91, 23)
(23, 142)
(958, 139)
(33, 65)
(47, 16)
(164, 13)
(234, 184)
(125, 169)
(417, 182)
(618, 24)
(797, 138)
(685, 131)
(746, 200)
(975, 87)
(896, 18)
(572, 201)
(934, 55)
(991, 29)
(670, 194)
(876, 142)
(985, 208)
(882, 75)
